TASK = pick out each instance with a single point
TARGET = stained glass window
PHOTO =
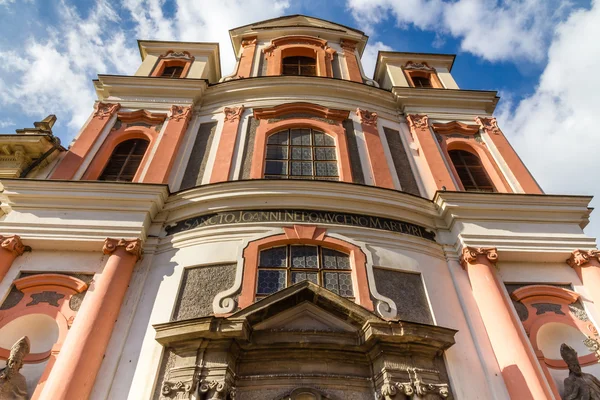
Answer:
(301, 153)
(283, 266)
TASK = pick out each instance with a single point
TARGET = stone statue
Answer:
(578, 385)
(12, 384)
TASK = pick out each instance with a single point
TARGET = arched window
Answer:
(279, 267)
(301, 153)
(421, 82)
(299, 65)
(471, 172)
(172, 72)
(124, 161)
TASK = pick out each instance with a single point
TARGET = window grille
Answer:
(124, 161)
(471, 172)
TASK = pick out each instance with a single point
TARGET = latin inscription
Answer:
(301, 216)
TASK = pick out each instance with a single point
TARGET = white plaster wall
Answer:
(198, 69)
(147, 65)
(446, 78)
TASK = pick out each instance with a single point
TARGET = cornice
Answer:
(426, 101)
(145, 88)
(78, 214)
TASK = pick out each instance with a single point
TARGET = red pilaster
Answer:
(10, 248)
(587, 266)
(247, 57)
(225, 150)
(78, 363)
(380, 169)
(349, 48)
(76, 155)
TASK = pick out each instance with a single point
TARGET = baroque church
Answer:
(295, 230)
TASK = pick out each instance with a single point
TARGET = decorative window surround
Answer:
(307, 46)
(173, 59)
(421, 70)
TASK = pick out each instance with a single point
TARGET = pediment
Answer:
(301, 20)
(305, 317)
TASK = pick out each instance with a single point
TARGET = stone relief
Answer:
(578, 385)
(593, 346)
(415, 387)
(12, 384)
(216, 390)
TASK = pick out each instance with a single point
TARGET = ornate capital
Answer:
(367, 117)
(180, 113)
(581, 257)
(490, 125)
(105, 110)
(469, 255)
(418, 121)
(233, 113)
(13, 244)
(348, 45)
(216, 390)
(418, 66)
(249, 41)
(132, 246)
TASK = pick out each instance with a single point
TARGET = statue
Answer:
(578, 385)
(12, 384)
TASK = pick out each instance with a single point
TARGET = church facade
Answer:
(294, 230)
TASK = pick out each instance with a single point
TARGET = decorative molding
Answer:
(105, 110)
(579, 258)
(41, 282)
(132, 246)
(489, 124)
(418, 66)
(142, 116)
(233, 113)
(299, 108)
(249, 41)
(455, 127)
(416, 386)
(297, 39)
(367, 117)
(348, 45)
(177, 389)
(417, 121)
(593, 346)
(469, 255)
(180, 113)
(216, 390)
(178, 55)
(544, 294)
(13, 244)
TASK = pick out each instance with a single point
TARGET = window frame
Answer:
(299, 65)
(289, 268)
(469, 172)
(128, 158)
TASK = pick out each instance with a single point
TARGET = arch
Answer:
(309, 235)
(421, 70)
(265, 129)
(299, 45)
(115, 138)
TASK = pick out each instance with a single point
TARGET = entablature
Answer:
(425, 101)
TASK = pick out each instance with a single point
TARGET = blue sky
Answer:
(542, 55)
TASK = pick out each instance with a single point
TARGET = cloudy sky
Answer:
(542, 55)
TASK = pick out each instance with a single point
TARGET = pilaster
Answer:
(247, 57)
(587, 265)
(226, 147)
(11, 248)
(349, 48)
(380, 169)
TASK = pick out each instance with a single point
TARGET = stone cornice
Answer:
(426, 101)
(50, 213)
(132, 89)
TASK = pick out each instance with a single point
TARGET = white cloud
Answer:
(554, 130)
(510, 30)
(369, 57)
(4, 123)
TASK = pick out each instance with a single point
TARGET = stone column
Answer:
(78, 363)
(247, 57)
(419, 127)
(510, 156)
(349, 48)
(226, 147)
(380, 169)
(11, 247)
(523, 378)
(587, 265)
(69, 165)
(168, 146)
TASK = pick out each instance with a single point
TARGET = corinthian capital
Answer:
(417, 121)
(367, 117)
(179, 113)
(233, 113)
(105, 110)
(490, 125)
(579, 258)
(13, 244)
(132, 246)
(469, 255)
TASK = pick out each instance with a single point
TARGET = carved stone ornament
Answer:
(132, 246)
(13, 244)
(418, 121)
(469, 255)
(105, 110)
(176, 390)
(179, 113)
(578, 385)
(216, 390)
(593, 346)
(179, 55)
(233, 113)
(581, 257)
(490, 125)
(251, 41)
(416, 386)
(348, 45)
(367, 117)
(418, 66)
(13, 385)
